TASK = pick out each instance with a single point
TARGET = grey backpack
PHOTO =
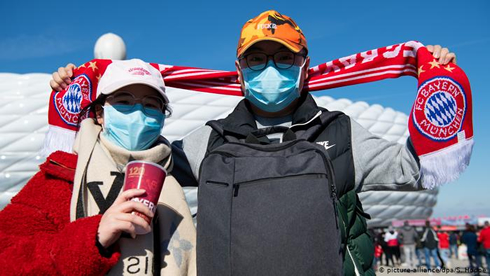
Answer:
(267, 209)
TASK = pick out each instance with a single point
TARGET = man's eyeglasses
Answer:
(126, 101)
(282, 60)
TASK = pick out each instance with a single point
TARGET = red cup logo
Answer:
(148, 176)
(136, 171)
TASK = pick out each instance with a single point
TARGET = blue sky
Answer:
(40, 36)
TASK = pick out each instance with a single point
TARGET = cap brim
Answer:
(118, 85)
(289, 46)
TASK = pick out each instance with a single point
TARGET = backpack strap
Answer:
(254, 136)
(216, 126)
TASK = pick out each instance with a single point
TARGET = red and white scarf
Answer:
(440, 122)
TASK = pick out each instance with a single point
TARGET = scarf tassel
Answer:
(58, 138)
(445, 165)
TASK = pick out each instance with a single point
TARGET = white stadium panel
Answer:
(23, 123)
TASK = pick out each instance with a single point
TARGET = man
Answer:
(419, 250)
(470, 239)
(430, 241)
(484, 239)
(272, 63)
(453, 244)
(409, 239)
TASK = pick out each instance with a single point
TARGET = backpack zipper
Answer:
(333, 188)
(236, 186)
(255, 147)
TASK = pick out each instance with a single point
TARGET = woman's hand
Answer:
(118, 218)
(442, 54)
(62, 77)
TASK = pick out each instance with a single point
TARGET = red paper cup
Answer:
(150, 177)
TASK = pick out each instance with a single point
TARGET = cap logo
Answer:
(266, 26)
(271, 25)
(139, 71)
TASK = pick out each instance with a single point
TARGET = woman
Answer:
(72, 218)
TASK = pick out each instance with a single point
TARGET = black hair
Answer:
(168, 110)
(90, 110)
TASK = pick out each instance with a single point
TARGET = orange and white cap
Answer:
(273, 26)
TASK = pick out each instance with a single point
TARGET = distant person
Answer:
(419, 250)
(470, 239)
(380, 238)
(408, 238)
(443, 246)
(378, 253)
(453, 244)
(430, 241)
(484, 239)
(391, 239)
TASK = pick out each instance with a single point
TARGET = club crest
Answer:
(440, 108)
(68, 103)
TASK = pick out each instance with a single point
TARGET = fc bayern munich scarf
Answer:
(440, 122)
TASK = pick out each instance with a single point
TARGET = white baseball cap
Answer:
(121, 73)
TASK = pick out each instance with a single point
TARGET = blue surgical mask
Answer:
(272, 89)
(133, 129)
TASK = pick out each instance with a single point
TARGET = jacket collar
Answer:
(242, 120)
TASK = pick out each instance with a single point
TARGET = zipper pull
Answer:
(235, 189)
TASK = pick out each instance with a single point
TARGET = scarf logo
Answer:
(68, 102)
(440, 108)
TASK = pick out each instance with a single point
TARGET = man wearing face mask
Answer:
(272, 63)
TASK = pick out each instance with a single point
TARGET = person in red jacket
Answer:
(443, 246)
(73, 217)
(484, 238)
(378, 252)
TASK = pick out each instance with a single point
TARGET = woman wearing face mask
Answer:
(72, 218)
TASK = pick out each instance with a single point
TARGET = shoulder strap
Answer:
(254, 136)
(216, 126)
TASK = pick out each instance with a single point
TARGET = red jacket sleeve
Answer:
(37, 237)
